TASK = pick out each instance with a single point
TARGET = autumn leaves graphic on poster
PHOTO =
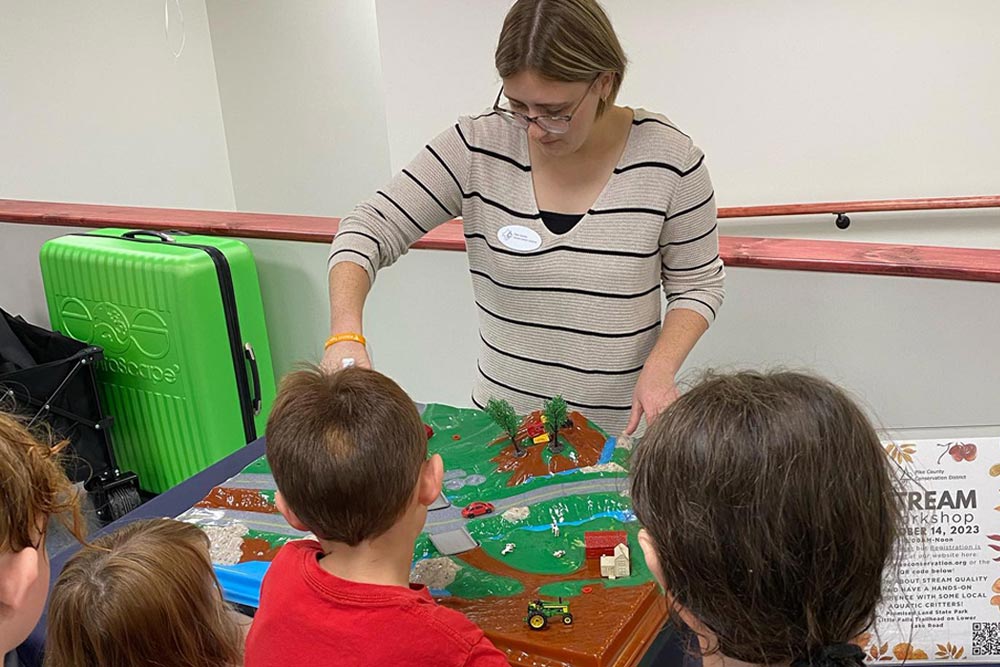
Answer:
(959, 451)
(903, 651)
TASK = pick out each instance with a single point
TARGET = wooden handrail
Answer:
(864, 206)
(16, 210)
(974, 264)
(884, 259)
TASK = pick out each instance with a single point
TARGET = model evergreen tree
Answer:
(555, 411)
(503, 415)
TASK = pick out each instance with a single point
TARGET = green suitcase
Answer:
(187, 370)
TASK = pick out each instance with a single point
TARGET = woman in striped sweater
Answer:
(575, 212)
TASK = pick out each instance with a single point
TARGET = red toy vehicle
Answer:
(535, 428)
(477, 508)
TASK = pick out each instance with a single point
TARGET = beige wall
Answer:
(793, 101)
(302, 99)
(307, 107)
(94, 107)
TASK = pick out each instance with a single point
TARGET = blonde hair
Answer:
(562, 40)
(146, 594)
(33, 487)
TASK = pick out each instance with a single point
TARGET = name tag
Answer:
(518, 237)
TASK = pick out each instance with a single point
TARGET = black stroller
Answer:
(51, 379)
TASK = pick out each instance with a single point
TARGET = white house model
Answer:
(617, 565)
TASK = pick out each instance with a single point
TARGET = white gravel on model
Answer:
(515, 514)
(604, 467)
(226, 541)
(625, 442)
(436, 573)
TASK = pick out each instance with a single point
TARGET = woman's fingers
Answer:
(635, 416)
(650, 402)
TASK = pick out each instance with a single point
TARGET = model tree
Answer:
(555, 416)
(503, 415)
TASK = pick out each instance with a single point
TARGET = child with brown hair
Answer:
(349, 455)
(145, 594)
(33, 488)
(769, 513)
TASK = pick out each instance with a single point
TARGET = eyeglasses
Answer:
(551, 124)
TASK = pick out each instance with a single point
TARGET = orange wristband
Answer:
(344, 337)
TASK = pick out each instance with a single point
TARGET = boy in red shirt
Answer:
(349, 455)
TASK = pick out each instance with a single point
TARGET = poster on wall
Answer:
(942, 602)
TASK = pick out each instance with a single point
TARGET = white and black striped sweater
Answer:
(577, 315)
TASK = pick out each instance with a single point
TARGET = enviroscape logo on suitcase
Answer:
(143, 333)
(145, 371)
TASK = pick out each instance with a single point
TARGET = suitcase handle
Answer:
(255, 374)
(163, 236)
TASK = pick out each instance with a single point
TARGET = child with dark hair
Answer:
(349, 457)
(769, 513)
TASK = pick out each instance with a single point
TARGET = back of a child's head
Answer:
(33, 490)
(772, 512)
(145, 594)
(346, 451)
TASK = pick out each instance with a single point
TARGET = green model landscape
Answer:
(537, 547)
(472, 452)
(546, 530)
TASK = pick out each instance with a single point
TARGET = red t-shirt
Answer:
(308, 616)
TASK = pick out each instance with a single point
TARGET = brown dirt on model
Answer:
(586, 440)
(611, 626)
(227, 498)
(254, 548)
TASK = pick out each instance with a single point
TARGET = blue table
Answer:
(167, 504)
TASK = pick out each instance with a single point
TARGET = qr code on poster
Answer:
(985, 638)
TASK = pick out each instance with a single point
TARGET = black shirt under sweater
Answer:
(560, 223)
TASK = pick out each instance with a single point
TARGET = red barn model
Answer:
(603, 542)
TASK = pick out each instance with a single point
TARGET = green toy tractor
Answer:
(540, 611)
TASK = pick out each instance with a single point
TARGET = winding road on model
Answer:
(442, 520)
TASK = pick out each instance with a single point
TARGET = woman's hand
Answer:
(654, 391)
(348, 290)
(336, 354)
